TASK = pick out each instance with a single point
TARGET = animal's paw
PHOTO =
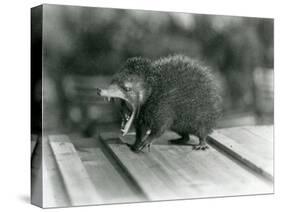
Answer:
(201, 147)
(148, 146)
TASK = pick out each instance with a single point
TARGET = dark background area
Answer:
(83, 47)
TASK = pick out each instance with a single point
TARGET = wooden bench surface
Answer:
(106, 176)
(54, 193)
(179, 172)
(238, 162)
(78, 184)
(253, 146)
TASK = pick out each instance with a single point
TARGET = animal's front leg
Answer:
(142, 138)
(148, 136)
(145, 135)
(145, 142)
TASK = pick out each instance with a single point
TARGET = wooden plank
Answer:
(78, 184)
(124, 169)
(265, 132)
(212, 173)
(109, 182)
(250, 149)
(256, 142)
(49, 199)
(33, 144)
(177, 172)
(34, 141)
(54, 193)
(36, 176)
(143, 176)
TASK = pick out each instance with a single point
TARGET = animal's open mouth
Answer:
(128, 110)
(127, 114)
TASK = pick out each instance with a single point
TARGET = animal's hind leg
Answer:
(202, 144)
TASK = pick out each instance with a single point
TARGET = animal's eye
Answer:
(127, 89)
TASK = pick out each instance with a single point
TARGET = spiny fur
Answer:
(184, 95)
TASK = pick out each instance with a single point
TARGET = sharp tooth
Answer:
(108, 98)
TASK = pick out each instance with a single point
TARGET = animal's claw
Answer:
(148, 147)
(201, 147)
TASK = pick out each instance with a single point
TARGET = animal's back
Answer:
(188, 93)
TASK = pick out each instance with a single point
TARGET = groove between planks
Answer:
(242, 154)
(173, 172)
(54, 193)
(79, 187)
(103, 138)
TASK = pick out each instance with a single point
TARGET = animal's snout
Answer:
(99, 91)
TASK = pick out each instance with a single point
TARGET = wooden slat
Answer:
(36, 176)
(150, 184)
(33, 144)
(109, 182)
(212, 173)
(49, 199)
(34, 141)
(250, 149)
(54, 193)
(265, 132)
(176, 172)
(78, 184)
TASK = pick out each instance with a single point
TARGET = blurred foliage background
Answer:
(84, 46)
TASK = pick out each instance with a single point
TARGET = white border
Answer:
(15, 102)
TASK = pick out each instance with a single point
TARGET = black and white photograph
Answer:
(131, 106)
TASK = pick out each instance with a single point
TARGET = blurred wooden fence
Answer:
(83, 106)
